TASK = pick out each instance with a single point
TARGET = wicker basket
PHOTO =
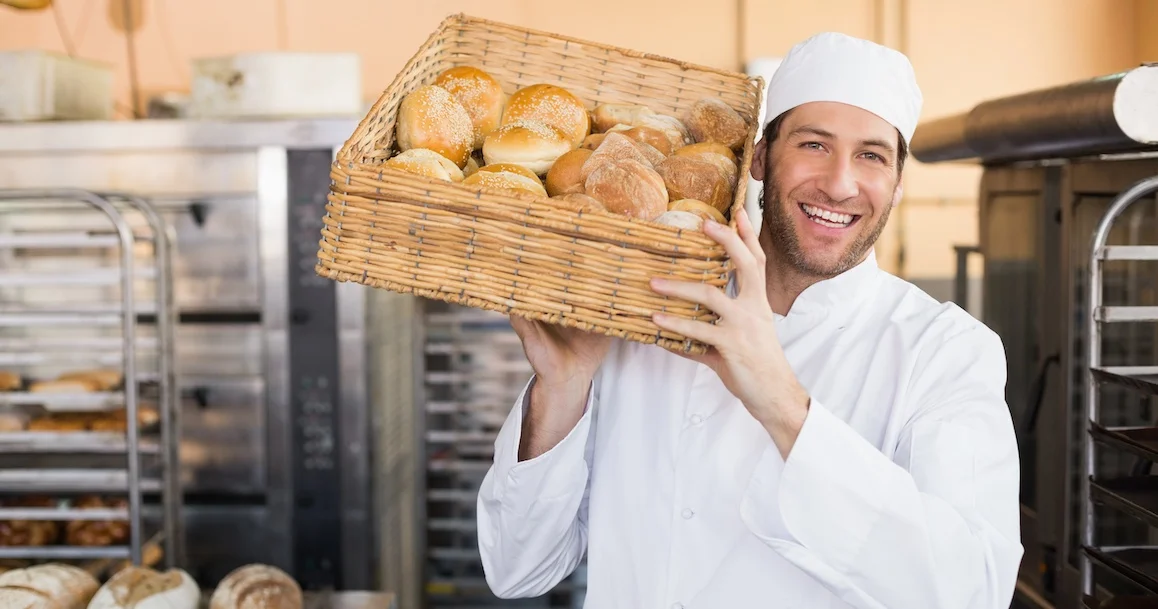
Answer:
(515, 253)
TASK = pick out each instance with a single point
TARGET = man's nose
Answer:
(838, 180)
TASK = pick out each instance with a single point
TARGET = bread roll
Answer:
(143, 588)
(628, 187)
(506, 180)
(681, 219)
(699, 208)
(651, 136)
(512, 168)
(13, 420)
(59, 423)
(96, 533)
(72, 386)
(47, 586)
(257, 587)
(480, 95)
(10, 381)
(677, 133)
(692, 178)
(424, 162)
(26, 533)
(471, 167)
(649, 152)
(552, 105)
(712, 120)
(105, 380)
(432, 118)
(531, 144)
(593, 141)
(707, 148)
(565, 176)
(606, 116)
(117, 420)
(582, 202)
(615, 146)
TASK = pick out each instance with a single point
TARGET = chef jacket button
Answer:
(696, 419)
(687, 514)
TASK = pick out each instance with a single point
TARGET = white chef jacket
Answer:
(901, 491)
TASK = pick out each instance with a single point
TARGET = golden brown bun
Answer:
(712, 120)
(530, 144)
(628, 187)
(427, 163)
(728, 167)
(506, 180)
(471, 167)
(480, 95)
(9, 381)
(699, 208)
(708, 148)
(651, 136)
(93, 533)
(432, 118)
(583, 202)
(59, 423)
(104, 379)
(553, 105)
(593, 141)
(606, 116)
(73, 386)
(677, 133)
(691, 178)
(681, 219)
(616, 146)
(565, 176)
(511, 167)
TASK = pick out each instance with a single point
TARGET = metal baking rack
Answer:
(86, 283)
(1134, 495)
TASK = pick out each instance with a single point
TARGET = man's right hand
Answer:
(565, 361)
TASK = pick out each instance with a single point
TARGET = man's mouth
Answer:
(828, 218)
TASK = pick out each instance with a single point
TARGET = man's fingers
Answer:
(708, 296)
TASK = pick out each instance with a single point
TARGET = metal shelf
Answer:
(41, 319)
(64, 514)
(1129, 252)
(66, 402)
(76, 309)
(1142, 441)
(1143, 379)
(74, 442)
(64, 239)
(1139, 565)
(1136, 496)
(97, 276)
(64, 552)
(1125, 314)
(71, 480)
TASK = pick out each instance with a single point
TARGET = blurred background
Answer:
(339, 432)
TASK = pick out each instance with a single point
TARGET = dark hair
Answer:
(772, 129)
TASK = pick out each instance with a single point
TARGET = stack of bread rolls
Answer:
(542, 139)
(28, 533)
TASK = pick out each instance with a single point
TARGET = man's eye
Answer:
(814, 145)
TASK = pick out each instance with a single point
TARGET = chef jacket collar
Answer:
(843, 291)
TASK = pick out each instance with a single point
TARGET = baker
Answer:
(844, 443)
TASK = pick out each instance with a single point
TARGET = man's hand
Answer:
(743, 347)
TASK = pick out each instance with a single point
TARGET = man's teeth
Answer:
(827, 218)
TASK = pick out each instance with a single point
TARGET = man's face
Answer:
(830, 180)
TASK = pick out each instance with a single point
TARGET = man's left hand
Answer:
(743, 347)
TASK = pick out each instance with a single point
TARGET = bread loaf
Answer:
(615, 147)
(531, 144)
(606, 116)
(692, 178)
(143, 588)
(103, 380)
(681, 219)
(506, 180)
(431, 118)
(257, 587)
(96, 533)
(565, 176)
(424, 162)
(652, 137)
(10, 381)
(480, 95)
(715, 154)
(48, 586)
(706, 148)
(552, 105)
(69, 386)
(628, 187)
(712, 120)
(677, 133)
(699, 208)
(593, 141)
(511, 168)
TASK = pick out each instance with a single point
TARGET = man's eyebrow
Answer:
(819, 132)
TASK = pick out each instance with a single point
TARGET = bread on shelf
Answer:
(47, 586)
(65, 386)
(10, 381)
(96, 533)
(102, 379)
(144, 588)
(257, 586)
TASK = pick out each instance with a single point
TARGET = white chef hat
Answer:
(839, 68)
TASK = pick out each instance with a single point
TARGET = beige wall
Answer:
(963, 52)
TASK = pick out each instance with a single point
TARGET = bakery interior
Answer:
(180, 387)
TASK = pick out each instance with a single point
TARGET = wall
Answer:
(963, 53)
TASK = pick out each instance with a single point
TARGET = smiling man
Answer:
(844, 443)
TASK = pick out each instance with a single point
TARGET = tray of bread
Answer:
(529, 173)
(84, 390)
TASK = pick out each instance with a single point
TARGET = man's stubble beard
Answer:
(786, 241)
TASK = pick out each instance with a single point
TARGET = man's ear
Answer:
(898, 192)
(758, 158)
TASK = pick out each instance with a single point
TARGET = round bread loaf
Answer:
(512, 168)
(617, 146)
(104, 379)
(651, 136)
(429, 163)
(431, 118)
(593, 141)
(506, 180)
(699, 208)
(692, 178)
(681, 219)
(712, 120)
(566, 175)
(677, 133)
(711, 153)
(531, 144)
(143, 588)
(48, 586)
(628, 187)
(708, 148)
(257, 586)
(481, 96)
(582, 202)
(553, 105)
(606, 116)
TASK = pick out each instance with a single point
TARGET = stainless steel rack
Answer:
(1133, 495)
(73, 299)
